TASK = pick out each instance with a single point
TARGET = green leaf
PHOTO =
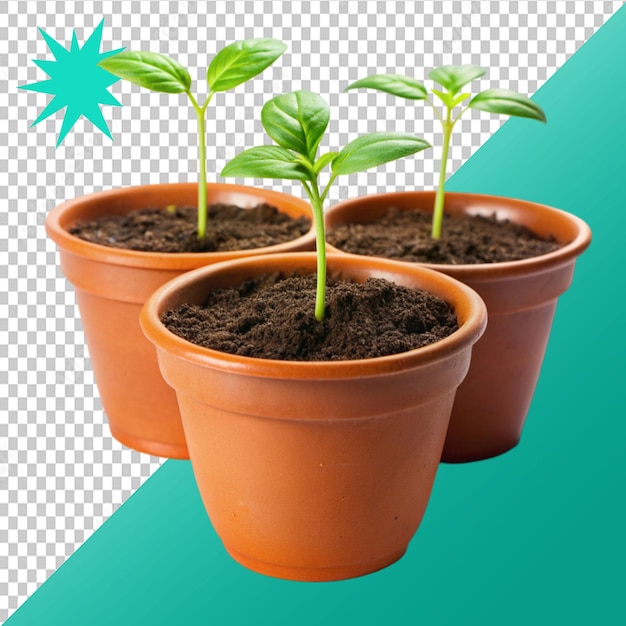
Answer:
(375, 149)
(508, 103)
(324, 160)
(150, 70)
(266, 162)
(460, 99)
(297, 121)
(241, 61)
(454, 77)
(446, 98)
(401, 86)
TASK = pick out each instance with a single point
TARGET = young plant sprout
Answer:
(452, 78)
(297, 122)
(233, 65)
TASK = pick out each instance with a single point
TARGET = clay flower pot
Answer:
(521, 296)
(314, 471)
(112, 285)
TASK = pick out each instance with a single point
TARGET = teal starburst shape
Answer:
(77, 82)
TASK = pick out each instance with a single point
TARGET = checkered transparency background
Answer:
(61, 473)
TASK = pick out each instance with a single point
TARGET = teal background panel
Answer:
(534, 536)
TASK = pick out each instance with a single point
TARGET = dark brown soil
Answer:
(405, 235)
(228, 228)
(273, 317)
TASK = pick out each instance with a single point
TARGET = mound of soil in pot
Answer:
(229, 227)
(405, 236)
(272, 317)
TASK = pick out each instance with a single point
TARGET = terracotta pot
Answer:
(314, 471)
(111, 287)
(521, 296)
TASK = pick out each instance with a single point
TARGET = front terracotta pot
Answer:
(111, 287)
(521, 296)
(315, 471)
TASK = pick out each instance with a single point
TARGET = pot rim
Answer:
(462, 297)
(532, 265)
(58, 218)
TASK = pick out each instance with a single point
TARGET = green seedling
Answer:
(297, 122)
(233, 65)
(452, 78)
